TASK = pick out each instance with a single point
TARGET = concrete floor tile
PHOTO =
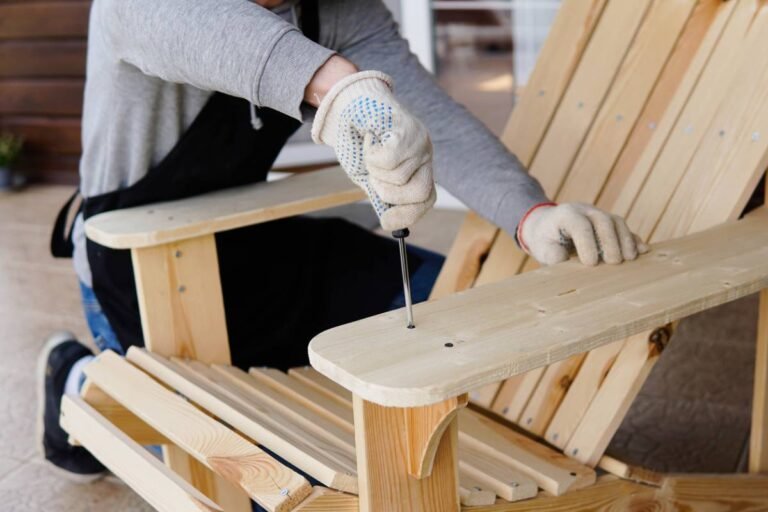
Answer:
(8, 465)
(17, 408)
(34, 487)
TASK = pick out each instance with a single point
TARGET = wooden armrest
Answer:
(223, 210)
(493, 332)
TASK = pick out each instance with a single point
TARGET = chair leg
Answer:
(758, 448)
(395, 443)
(182, 314)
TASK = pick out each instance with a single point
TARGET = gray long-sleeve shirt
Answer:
(152, 65)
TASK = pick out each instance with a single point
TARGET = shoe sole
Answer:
(53, 341)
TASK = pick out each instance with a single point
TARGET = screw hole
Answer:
(449, 345)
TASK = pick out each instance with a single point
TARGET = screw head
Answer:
(652, 125)
(755, 136)
(541, 92)
(555, 436)
(178, 254)
(529, 421)
(619, 118)
(284, 492)
(688, 129)
(580, 104)
(182, 289)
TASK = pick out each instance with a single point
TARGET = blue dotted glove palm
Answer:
(384, 149)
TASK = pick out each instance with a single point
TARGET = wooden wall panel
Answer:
(42, 71)
(34, 20)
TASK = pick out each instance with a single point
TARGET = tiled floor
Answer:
(693, 414)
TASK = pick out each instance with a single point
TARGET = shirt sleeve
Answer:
(470, 161)
(231, 46)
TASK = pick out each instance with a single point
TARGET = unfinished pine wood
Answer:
(425, 428)
(583, 388)
(330, 465)
(551, 470)
(504, 261)
(307, 419)
(473, 493)
(321, 383)
(558, 60)
(382, 463)
(587, 91)
(180, 300)
(130, 424)
(162, 223)
(268, 482)
(146, 475)
(323, 499)
(465, 257)
(495, 475)
(609, 406)
(552, 387)
(712, 493)
(721, 159)
(321, 403)
(613, 124)
(629, 472)
(758, 444)
(608, 495)
(507, 392)
(485, 396)
(672, 91)
(737, 45)
(496, 331)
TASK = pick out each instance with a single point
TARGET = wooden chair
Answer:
(654, 109)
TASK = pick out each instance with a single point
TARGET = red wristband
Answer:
(533, 208)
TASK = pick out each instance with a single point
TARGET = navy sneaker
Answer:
(57, 358)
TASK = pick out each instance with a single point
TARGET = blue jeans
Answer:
(422, 280)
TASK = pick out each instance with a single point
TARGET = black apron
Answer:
(284, 281)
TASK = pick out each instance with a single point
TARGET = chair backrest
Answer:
(656, 110)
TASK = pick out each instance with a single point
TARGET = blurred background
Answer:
(480, 50)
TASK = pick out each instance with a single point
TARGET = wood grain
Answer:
(220, 449)
(146, 475)
(500, 330)
(206, 214)
(180, 300)
(331, 465)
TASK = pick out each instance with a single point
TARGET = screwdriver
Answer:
(401, 235)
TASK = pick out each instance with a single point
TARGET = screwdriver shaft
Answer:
(406, 281)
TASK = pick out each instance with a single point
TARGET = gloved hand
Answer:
(549, 232)
(381, 146)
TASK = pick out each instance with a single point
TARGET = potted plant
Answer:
(10, 147)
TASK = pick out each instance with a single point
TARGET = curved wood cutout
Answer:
(424, 428)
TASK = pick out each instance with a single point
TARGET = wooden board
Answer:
(465, 257)
(382, 463)
(267, 481)
(758, 445)
(311, 377)
(663, 108)
(581, 392)
(329, 464)
(28, 59)
(298, 391)
(25, 20)
(608, 495)
(625, 101)
(737, 45)
(327, 500)
(146, 475)
(493, 332)
(558, 59)
(551, 470)
(180, 300)
(206, 214)
(712, 493)
(48, 97)
(495, 474)
(473, 493)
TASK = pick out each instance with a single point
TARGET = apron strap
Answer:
(310, 20)
(61, 240)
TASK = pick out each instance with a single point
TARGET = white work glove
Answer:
(549, 232)
(381, 146)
